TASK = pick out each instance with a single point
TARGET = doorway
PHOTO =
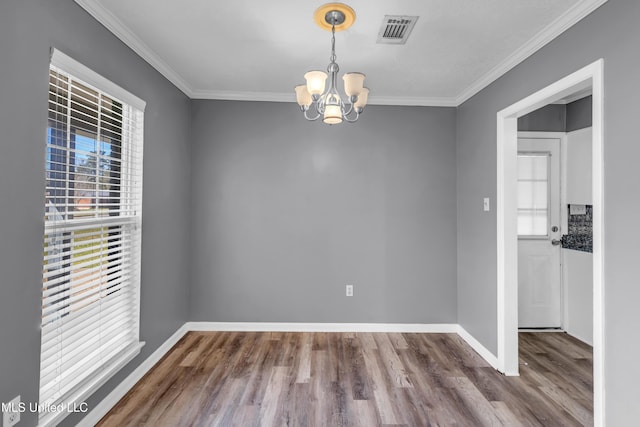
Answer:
(539, 232)
(506, 202)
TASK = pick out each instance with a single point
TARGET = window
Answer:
(533, 194)
(91, 269)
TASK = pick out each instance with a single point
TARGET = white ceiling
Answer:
(259, 50)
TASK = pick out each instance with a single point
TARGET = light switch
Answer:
(486, 204)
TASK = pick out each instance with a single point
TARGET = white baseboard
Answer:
(118, 393)
(102, 408)
(588, 341)
(479, 348)
(323, 327)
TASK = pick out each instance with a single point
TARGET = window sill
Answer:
(75, 402)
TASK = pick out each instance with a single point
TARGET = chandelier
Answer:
(314, 101)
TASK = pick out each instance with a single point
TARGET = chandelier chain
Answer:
(332, 58)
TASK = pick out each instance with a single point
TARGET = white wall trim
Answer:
(227, 95)
(564, 229)
(323, 327)
(443, 101)
(290, 97)
(102, 408)
(574, 97)
(541, 135)
(507, 262)
(598, 244)
(546, 35)
(489, 357)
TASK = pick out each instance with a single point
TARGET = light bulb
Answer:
(315, 82)
(332, 114)
(303, 97)
(353, 83)
(362, 98)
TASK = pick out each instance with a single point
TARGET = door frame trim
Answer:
(506, 193)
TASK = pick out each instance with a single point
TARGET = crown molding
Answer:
(413, 101)
(120, 30)
(228, 95)
(565, 21)
(290, 97)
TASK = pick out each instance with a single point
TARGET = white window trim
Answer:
(82, 72)
(75, 401)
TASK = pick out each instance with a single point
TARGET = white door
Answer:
(539, 273)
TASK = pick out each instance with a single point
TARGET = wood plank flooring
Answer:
(358, 379)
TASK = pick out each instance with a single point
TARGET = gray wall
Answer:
(550, 118)
(579, 114)
(27, 30)
(558, 117)
(612, 33)
(287, 212)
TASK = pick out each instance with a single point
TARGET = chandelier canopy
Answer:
(312, 95)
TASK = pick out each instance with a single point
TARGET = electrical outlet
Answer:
(349, 290)
(11, 412)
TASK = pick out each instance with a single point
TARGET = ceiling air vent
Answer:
(396, 29)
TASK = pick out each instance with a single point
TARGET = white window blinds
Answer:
(91, 269)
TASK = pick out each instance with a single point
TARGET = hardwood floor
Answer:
(358, 379)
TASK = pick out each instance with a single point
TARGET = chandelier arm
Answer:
(321, 103)
(347, 112)
(305, 111)
(354, 119)
(312, 119)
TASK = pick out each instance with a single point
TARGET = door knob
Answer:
(556, 242)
